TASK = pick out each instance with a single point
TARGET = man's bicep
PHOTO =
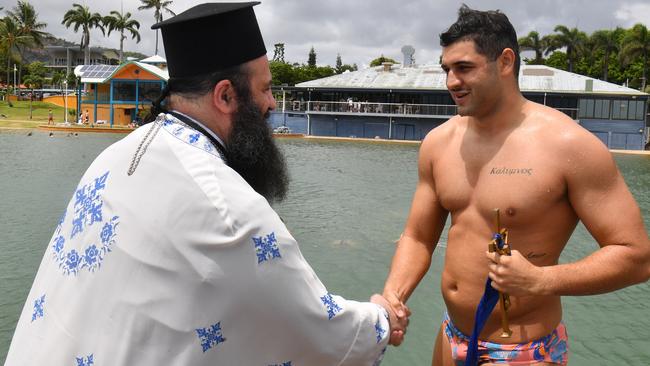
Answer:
(427, 216)
(602, 200)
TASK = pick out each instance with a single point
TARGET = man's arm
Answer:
(423, 228)
(601, 199)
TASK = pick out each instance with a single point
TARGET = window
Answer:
(124, 91)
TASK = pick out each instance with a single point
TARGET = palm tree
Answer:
(159, 6)
(637, 44)
(119, 22)
(26, 18)
(609, 42)
(572, 39)
(11, 40)
(532, 42)
(80, 16)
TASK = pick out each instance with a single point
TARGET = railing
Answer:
(367, 107)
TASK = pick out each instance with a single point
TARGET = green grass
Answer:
(18, 115)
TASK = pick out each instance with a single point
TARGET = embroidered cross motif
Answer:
(194, 137)
(88, 205)
(380, 331)
(332, 307)
(266, 248)
(210, 336)
(85, 361)
(38, 308)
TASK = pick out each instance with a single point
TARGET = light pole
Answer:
(65, 100)
(15, 92)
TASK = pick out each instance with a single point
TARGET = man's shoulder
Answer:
(444, 132)
(561, 134)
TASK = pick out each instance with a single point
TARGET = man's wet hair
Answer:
(196, 86)
(490, 30)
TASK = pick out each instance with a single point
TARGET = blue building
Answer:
(405, 102)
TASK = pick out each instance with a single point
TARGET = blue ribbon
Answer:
(483, 311)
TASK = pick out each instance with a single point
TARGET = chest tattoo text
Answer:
(511, 171)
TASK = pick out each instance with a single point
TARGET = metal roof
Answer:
(532, 78)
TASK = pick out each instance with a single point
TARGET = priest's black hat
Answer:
(211, 37)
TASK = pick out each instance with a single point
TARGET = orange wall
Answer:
(58, 100)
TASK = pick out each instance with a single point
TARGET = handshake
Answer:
(398, 316)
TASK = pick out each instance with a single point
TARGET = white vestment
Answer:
(182, 263)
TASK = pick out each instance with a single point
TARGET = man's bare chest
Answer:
(521, 186)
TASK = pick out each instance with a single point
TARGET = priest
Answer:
(169, 252)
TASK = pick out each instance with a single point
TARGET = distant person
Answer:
(545, 173)
(169, 252)
(86, 117)
(50, 117)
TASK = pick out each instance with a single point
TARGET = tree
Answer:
(26, 18)
(557, 59)
(532, 42)
(380, 60)
(572, 39)
(121, 23)
(11, 40)
(341, 67)
(158, 6)
(311, 61)
(81, 17)
(278, 53)
(636, 44)
(34, 79)
(607, 41)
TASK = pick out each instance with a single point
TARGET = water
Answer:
(347, 205)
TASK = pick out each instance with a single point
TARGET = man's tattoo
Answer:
(511, 171)
(533, 255)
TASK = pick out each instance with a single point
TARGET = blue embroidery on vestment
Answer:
(90, 257)
(85, 361)
(88, 205)
(188, 135)
(266, 248)
(210, 336)
(193, 138)
(38, 308)
(332, 307)
(380, 331)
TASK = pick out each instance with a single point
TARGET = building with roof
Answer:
(406, 102)
(68, 57)
(118, 95)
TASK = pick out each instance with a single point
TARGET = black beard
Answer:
(254, 155)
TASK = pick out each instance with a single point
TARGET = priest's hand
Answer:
(515, 275)
(398, 318)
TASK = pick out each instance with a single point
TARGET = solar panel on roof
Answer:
(97, 71)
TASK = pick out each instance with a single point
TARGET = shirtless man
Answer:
(545, 173)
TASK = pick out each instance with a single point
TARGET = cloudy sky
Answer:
(361, 30)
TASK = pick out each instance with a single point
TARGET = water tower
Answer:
(408, 52)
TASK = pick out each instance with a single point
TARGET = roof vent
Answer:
(589, 85)
(387, 66)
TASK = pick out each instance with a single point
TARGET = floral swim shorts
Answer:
(552, 348)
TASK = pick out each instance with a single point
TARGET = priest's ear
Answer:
(224, 97)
